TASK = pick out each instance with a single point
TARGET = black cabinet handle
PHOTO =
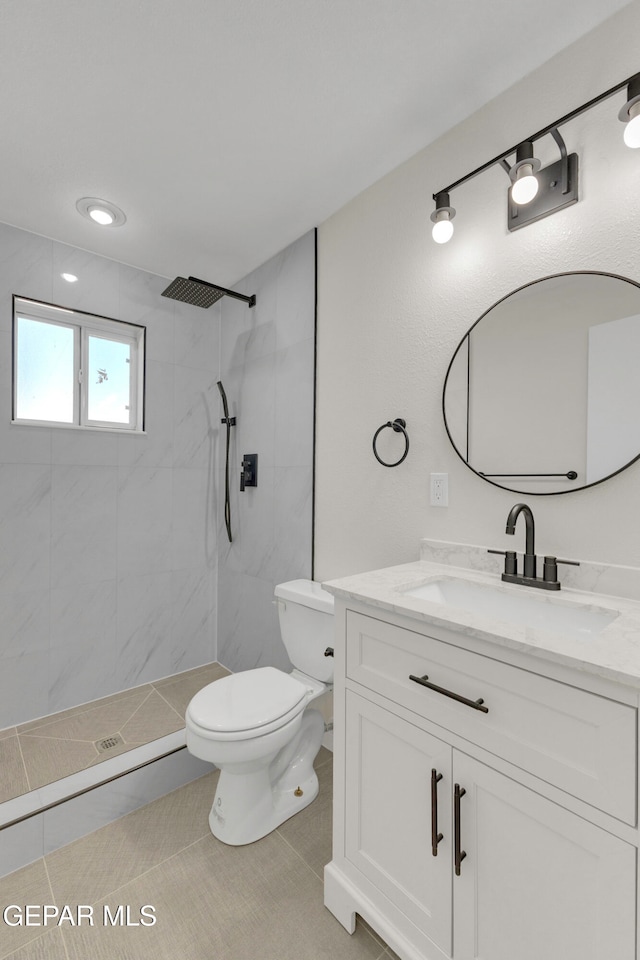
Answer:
(435, 836)
(474, 704)
(458, 854)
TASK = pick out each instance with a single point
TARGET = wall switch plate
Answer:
(439, 489)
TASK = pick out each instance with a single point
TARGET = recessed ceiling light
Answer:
(101, 211)
(69, 277)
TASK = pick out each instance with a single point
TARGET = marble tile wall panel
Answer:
(294, 405)
(144, 520)
(156, 448)
(97, 289)
(195, 416)
(253, 389)
(248, 333)
(82, 648)
(267, 367)
(248, 629)
(144, 641)
(109, 560)
(193, 510)
(296, 292)
(193, 618)
(25, 526)
(293, 505)
(84, 513)
(141, 302)
(26, 269)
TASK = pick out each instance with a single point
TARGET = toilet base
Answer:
(249, 805)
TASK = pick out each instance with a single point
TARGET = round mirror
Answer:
(542, 395)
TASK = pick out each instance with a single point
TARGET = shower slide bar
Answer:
(230, 422)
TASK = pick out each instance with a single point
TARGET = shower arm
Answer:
(228, 293)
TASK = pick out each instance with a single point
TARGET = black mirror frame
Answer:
(500, 486)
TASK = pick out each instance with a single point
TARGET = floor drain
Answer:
(103, 745)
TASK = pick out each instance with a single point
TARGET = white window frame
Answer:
(84, 326)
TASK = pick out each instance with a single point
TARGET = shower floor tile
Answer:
(211, 901)
(39, 752)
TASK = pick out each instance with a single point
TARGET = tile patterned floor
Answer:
(212, 902)
(36, 753)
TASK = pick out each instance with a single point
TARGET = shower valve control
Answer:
(249, 471)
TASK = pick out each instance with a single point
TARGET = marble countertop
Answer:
(613, 653)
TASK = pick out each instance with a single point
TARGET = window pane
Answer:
(44, 371)
(109, 380)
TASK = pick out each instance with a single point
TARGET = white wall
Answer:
(393, 305)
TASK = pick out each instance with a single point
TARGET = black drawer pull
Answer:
(458, 854)
(474, 704)
(435, 836)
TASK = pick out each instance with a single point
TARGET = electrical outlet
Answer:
(439, 489)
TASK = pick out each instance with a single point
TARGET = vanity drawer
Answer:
(576, 740)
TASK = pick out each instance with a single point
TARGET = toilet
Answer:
(258, 728)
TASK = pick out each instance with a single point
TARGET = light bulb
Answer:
(632, 128)
(526, 185)
(69, 277)
(442, 228)
(103, 217)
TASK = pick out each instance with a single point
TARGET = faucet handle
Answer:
(510, 561)
(550, 569)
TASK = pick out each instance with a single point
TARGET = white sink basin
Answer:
(529, 607)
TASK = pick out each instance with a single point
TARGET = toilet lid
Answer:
(244, 701)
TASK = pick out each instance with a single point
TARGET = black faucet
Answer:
(549, 579)
(530, 542)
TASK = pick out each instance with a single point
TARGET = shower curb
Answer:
(37, 823)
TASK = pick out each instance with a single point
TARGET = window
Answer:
(74, 369)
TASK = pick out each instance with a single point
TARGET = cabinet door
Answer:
(537, 881)
(389, 825)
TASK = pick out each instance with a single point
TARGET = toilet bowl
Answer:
(258, 728)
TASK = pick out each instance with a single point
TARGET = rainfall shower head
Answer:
(200, 293)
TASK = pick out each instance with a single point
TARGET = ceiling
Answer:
(225, 129)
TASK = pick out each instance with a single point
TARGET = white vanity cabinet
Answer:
(509, 834)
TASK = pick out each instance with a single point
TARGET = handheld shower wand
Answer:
(230, 422)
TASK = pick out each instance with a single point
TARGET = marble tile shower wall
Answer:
(267, 367)
(108, 557)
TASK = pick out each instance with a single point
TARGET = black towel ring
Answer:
(399, 426)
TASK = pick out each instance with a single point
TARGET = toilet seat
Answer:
(248, 704)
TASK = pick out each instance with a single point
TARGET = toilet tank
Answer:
(306, 626)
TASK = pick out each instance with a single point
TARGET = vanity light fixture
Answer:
(442, 217)
(103, 212)
(536, 191)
